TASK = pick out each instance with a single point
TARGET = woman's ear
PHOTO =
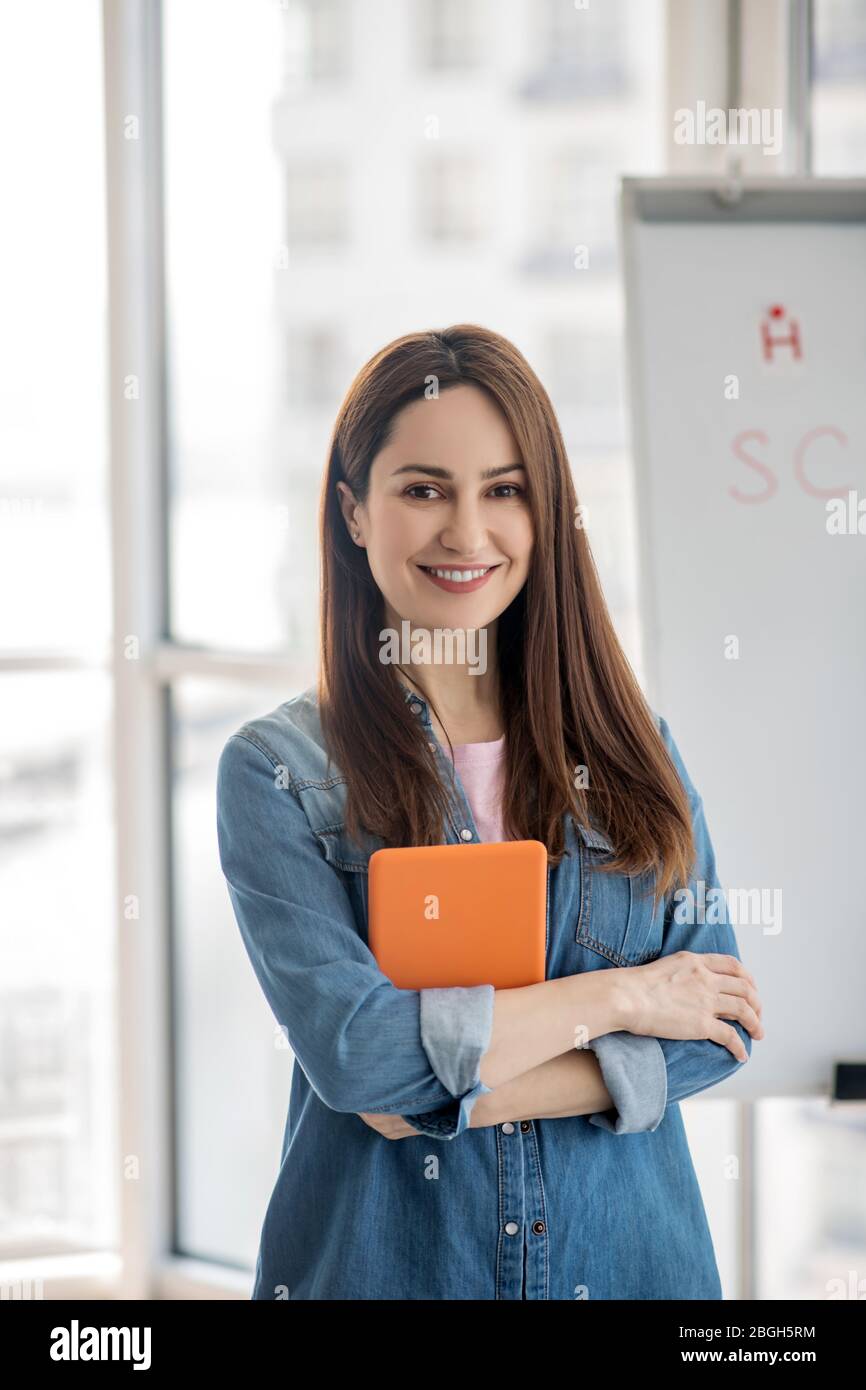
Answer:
(348, 507)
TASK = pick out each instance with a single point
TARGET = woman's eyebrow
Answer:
(434, 472)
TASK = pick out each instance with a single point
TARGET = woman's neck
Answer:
(468, 705)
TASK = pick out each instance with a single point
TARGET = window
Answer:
(58, 1095)
(573, 199)
(581, 50)
(451, 200)
(234, 498)
(315, 40)
(448, 35)
(233, 1065)
(315, 366)
(839, 88)
(317, 213)
(810, 1158)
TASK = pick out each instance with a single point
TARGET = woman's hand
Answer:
(687, 994)
(390, 1126)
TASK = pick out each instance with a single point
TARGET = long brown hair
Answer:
(569, 696)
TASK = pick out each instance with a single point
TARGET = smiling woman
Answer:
(447, 456)
(571, 1176)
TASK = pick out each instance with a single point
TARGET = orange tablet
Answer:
(443, 915)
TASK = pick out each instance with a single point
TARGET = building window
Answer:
(579, 53)
(315, 41)
(313, 361)
(839, 88)
(451, 199)
(572, 203)
(448, 35)
(317, 211)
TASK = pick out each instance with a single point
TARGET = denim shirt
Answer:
(585, 1206)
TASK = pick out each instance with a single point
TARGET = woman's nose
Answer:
(464, 533)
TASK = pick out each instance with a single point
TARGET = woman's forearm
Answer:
(571, 1084)
(537, 1023)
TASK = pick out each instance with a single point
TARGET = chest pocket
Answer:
(616, 918)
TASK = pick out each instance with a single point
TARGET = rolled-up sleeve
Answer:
(456, 1026)
(363, 1044)
(634, 1072)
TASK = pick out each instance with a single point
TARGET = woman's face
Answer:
(448, 493)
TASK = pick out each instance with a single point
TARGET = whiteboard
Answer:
(746, 330)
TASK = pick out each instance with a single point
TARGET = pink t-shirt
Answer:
(481, 768)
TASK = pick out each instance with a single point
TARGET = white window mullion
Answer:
(745, 55)
(137, 432)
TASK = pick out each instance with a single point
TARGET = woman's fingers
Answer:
(729, 1037)
(742, 988)
(726, 965)
(730, 965)
(736, 1006)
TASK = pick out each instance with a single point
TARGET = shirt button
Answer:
(466, 834)
(511, 1228)
(538, 1227)
(415, 708)
(508, 1127)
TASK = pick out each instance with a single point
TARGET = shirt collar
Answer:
(418, 705)
(591, 835)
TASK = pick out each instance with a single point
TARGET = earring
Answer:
(356, 534)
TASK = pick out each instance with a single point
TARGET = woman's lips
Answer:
(458, 586)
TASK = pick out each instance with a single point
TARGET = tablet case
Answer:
(444, 915)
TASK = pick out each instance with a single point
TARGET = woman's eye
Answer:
(429, 486)
(515, 490)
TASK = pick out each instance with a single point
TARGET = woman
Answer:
(473, 1143)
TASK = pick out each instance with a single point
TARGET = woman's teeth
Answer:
(457, 576)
